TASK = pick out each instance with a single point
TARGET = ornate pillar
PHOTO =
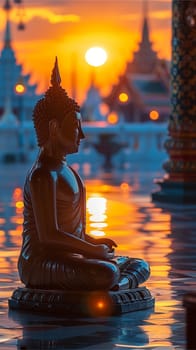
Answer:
(179, 185)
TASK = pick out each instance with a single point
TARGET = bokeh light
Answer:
(123, 97)
(154, 115)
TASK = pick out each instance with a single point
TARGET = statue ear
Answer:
(53, 126)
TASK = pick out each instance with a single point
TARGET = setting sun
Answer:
(96, 56)
(87, 33)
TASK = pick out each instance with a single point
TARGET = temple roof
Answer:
(145, 82)
(149, 86)
(145, 58)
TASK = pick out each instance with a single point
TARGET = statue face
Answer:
(69, 135)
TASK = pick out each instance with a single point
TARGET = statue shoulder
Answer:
(42, 175)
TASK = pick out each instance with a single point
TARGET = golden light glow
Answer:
(125, 187)
(97, 233)
(20, 88)
(96, 56)
(17, 193)
(15, 235)
(104, 109)
(98, 224)
(97, 217)
(96, 207)
(2, 238)
(113, 118)
(154, 115)
(19, 204)
(100, 304)
(162, 345)
(123, 97)
(17, 220)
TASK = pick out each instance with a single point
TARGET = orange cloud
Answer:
(52, 17)
(41, 13)
(164, 14)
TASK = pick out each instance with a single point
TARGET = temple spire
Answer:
(145, 58)
(7, 36)
(145, 29)
(145, 8)
(7, 5)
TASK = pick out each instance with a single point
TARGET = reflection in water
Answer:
(123, 211)
(17, 217)
(96, 208)
(141, 231)
(10, 236)
(47, 332)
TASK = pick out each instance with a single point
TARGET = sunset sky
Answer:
(68, 28)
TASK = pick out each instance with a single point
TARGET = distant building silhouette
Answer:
(91, 107)
(14, 104)
(142, 92)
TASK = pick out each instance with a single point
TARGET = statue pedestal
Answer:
(81, 303)
(175, 192)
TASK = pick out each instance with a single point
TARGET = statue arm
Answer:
(109, 242)
(43, 195)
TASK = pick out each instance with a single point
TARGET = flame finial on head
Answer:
(55, 77)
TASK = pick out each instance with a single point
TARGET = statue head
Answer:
(55, 105)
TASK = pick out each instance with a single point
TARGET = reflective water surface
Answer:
(118, 206)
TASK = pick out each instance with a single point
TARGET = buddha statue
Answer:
(57, 253)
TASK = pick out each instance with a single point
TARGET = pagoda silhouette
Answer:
(144, 86)
(14, 105)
